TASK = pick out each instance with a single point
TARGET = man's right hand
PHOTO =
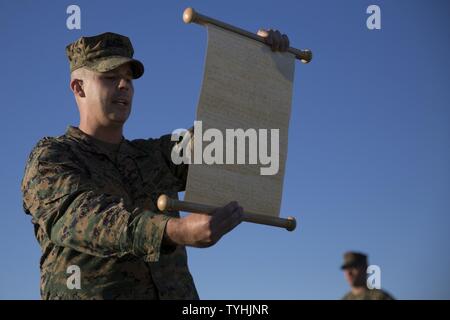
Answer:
(202, 230)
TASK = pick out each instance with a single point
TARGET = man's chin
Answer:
(119, 117)
(118, 121)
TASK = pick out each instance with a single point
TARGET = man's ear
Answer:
(76, 85)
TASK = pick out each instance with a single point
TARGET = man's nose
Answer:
(124, 84)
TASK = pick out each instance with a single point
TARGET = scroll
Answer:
(243, 118)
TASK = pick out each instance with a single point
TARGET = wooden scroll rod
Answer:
(166, 203)
(190, 15)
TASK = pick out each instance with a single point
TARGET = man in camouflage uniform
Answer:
(355, 271)
(92, 193)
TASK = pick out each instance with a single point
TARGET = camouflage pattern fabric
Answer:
(95, 208)
(369, 294)
(102, 53)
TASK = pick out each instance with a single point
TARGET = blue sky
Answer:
(368, 162)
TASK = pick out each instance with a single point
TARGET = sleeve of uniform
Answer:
(386, 296)
(165, 145)
(58, 194)
(179, 171)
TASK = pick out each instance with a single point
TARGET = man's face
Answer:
(109, 96)
(355, 275)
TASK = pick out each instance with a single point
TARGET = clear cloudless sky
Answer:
(368, 162)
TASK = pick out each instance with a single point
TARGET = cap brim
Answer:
(345, 266)
(112, 62)
(351, 265)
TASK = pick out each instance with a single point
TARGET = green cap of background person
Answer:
(354, 259)
(102, 53)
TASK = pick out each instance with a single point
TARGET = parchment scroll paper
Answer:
(245, 85)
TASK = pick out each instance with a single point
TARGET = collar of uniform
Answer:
(89, 144)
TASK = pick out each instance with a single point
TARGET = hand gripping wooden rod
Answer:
(190, 15)
(165, 203)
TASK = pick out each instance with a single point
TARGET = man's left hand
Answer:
(275, 39)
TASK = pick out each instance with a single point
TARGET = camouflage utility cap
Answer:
(102, 53)
(354, 259)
